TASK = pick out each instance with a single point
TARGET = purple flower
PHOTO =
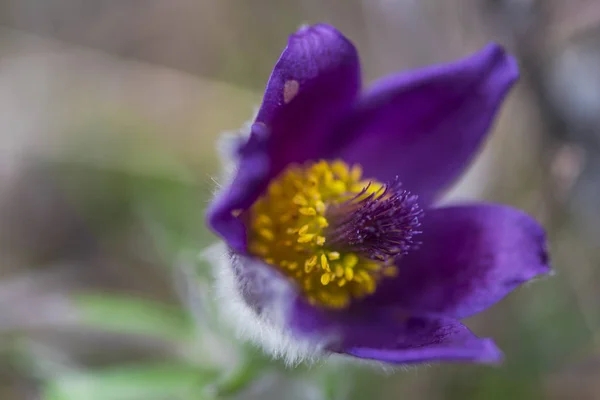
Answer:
(333, 241)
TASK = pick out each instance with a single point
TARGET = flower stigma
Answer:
(334, 233)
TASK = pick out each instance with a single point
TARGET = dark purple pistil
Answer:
(380, 226)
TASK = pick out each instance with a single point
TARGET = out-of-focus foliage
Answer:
(109, 111)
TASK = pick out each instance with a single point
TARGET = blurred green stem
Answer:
(239, 380)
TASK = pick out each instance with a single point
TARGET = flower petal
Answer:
(311, 52)
(315, 81)
(392, 337)
(249, 181)
(424, 126)
(418, 340)
(470, 258)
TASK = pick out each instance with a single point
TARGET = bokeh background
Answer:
(109, 111)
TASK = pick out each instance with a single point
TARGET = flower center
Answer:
(334, 233)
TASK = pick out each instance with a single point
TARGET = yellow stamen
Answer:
(348, 273)
(267, 234)
(308, 211)
(324, 262)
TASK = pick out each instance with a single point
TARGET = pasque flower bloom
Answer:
(333, 240)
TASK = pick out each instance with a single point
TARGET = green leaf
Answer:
(134, 382)
(131, 315)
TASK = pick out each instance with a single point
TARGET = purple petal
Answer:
(249, 181)
(424, 126)
(311, 52)
(470, 258)
(393, 337)
(420, 340)
(294, 123)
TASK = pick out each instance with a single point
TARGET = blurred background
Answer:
(109, 111)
